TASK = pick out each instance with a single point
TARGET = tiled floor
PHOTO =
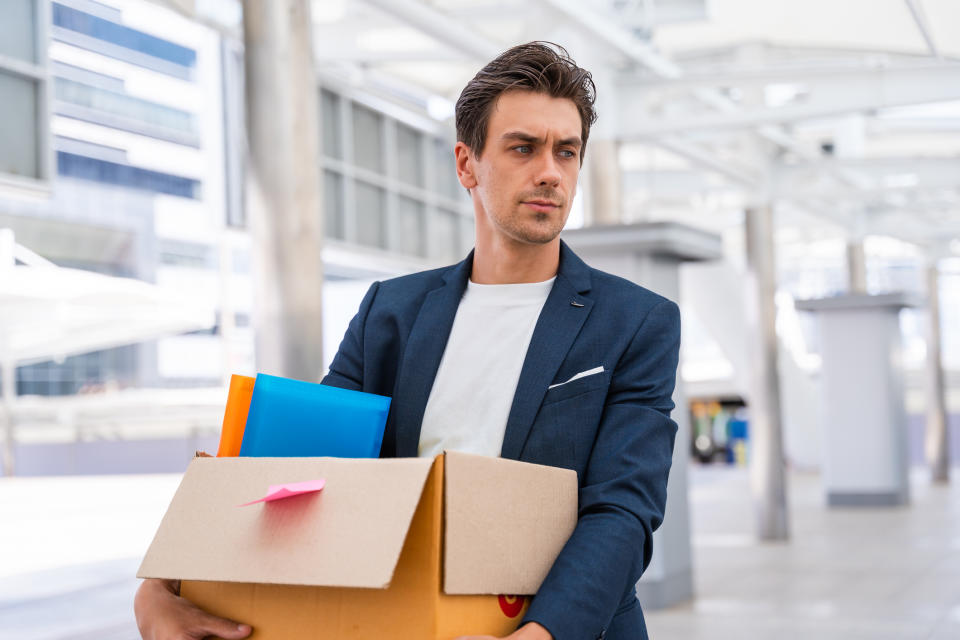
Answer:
(845, 573)
(69, 551)
(70, 546)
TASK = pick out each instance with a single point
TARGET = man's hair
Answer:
(541, 67)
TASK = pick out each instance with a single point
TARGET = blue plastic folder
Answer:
(291, 418)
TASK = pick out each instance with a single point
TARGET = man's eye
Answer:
(567, 153)
(524, 148)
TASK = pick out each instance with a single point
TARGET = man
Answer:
(523, 351)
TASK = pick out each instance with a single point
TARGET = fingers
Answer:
(162, 615)
(209, 625)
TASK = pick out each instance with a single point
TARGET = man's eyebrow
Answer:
(520, 135)
(526, 137)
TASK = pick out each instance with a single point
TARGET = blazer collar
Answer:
(571, 267)
(558, 325)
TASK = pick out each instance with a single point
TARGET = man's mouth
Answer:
(542, 206)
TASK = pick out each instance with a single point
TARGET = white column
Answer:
(9, 372)
(603, 165)
(767, 477)
(856, 267)
(937, 434)
(865, 461)
(284, 203)
(8, 369)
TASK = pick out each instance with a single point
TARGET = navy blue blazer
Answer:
(612, 428)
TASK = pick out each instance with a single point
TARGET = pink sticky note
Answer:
(281, 491)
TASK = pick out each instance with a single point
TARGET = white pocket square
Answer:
(582, 374)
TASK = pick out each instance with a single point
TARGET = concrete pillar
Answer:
(856, 267)
(284, 202)
(865, 461)
(603, 163)
(650, 255)
(937, 434)
(8, 369)
(9, 372)
(767, 477)
(600, 177)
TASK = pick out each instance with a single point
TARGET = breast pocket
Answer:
(566, 425)
(577, 387)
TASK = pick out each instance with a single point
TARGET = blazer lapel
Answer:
(560, 321)
(422, 355)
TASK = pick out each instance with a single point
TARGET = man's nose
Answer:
(548, 173)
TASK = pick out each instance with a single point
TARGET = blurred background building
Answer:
(755, 160)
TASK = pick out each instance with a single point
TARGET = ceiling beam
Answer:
(745, 177)
(857, 93)
(919, 17)
(617, 37)
(628, 44)
(441, 27)
(743, 76)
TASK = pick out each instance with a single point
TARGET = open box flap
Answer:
(505, 523)
(350, 534)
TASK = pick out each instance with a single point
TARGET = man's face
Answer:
(524, 182)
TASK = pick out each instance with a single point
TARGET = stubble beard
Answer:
(532, 229)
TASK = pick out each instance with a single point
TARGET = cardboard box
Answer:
(403, 548)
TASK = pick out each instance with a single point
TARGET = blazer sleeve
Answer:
(624, 491)
(346, 370)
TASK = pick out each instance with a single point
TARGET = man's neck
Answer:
(508, 262)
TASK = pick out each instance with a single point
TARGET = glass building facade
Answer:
(122, 36)
(24, 155)
(389, 185)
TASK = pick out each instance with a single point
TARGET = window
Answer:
(411, 227)
(333, 214)
(409, 156)
(445, 239)
(19, 148)
(371, 215)
(367, 139)
(330, 124)
(447, 183)
(389, 185)
(119, 35)
(18, 30)
(75, 166)
(24, 148)
(233, 132)
(88, 371)
(124, 106)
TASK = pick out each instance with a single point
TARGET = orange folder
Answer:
(235, 417)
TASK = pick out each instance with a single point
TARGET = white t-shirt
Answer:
(472, 394)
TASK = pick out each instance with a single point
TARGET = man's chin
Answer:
(538, 236)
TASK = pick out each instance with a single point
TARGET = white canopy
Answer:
(49, 312)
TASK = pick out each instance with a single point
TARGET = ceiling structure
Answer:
(845, 113)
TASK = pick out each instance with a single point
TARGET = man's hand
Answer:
(529, 631)
(163, 615)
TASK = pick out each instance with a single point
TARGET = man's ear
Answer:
(465, 169)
